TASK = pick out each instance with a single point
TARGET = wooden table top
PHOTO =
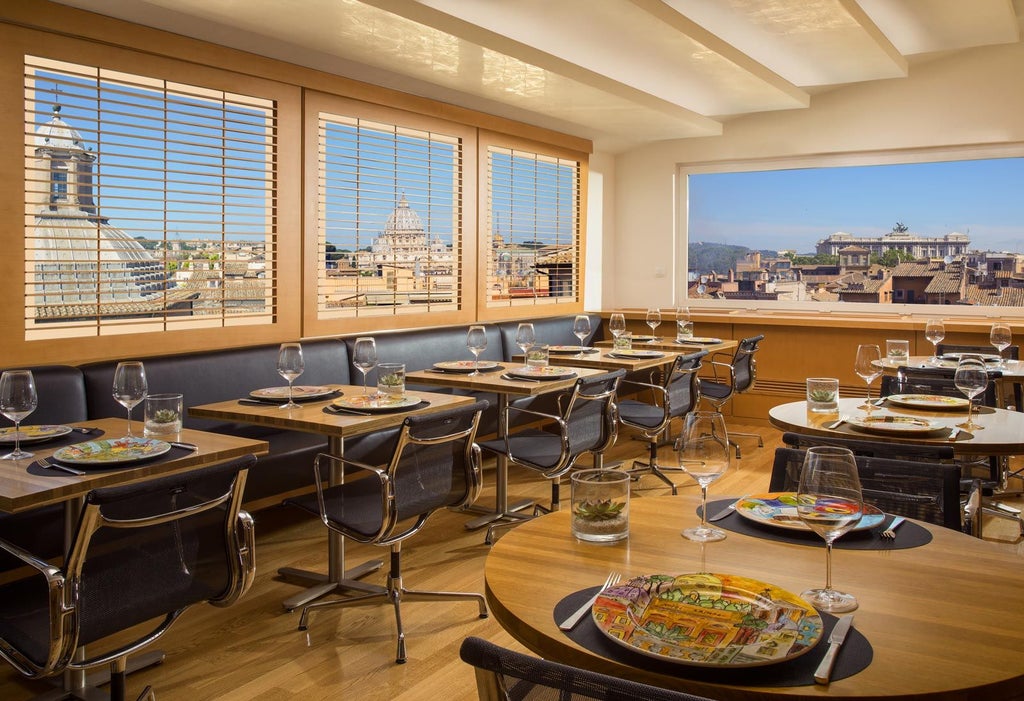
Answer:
(944, 620)
(605, 359)
(494, 382)
(20, 490)
(670, 344)
(1003, 432)
(310, 417)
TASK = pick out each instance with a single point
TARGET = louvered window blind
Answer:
(533, 210)
(390, 219)
(150, 205)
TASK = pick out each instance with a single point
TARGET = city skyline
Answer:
(794, 209)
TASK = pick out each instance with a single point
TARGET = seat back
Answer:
(505, 674)
(908, 380)
(677, 396)
(1010, 352)
(927, 491)
(681, 386)
(589, 413)
(744, 364)
(873, 449)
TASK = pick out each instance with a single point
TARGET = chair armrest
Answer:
(531, 412)
(42, 566)
(381, 474)
(726, 367)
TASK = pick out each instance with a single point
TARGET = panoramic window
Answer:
(927, 233)
(150, 204)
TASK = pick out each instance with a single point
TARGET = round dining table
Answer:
(941, 621)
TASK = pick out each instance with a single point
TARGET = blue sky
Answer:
(795, 208)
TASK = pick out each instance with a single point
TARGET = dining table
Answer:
(25, 485)
(496, 379)
(938, 620)
(1009, 380)
(631, 360)
(708, 343)
(325, 417)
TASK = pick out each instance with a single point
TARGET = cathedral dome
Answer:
(57, 134)
(404, 218)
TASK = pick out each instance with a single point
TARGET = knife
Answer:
(723, 513)
(824, 671)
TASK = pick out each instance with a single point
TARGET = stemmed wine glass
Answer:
(971, 378)
(364, 356)
(1001, 337)
(525, 337)
(653, 320)
(829, 502)
(617, 324)
(130, 386)
(476, 341)
(684, 327)
(581, 329)
(935, 331)
(290, 366)
(18, 399)
(703, 451)
(868, 367)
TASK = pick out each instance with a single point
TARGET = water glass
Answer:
(391, 380)
(822, 395)
(600, 505)
(163, 414)
(624, 341)
(537, 356)
(897, 352)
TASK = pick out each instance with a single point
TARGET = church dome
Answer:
(58, 134)
(404, 218)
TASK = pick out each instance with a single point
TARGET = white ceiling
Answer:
(619, 72)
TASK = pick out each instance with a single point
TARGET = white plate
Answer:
(33, 434)
(117, 451)
(928, 401)
(375, 402)
(465, 365)
(897, 425)
(299, 393)
(635, 353)
(545, 372)
(700, 339)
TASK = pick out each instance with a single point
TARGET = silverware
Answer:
(47, 465)
(954, 433)
(724, 512)
(518, 379)
(890, 532)
(185, 446)
(570, 622)
(82, 429)
(836, 424)
(341, 410)
(835, 640)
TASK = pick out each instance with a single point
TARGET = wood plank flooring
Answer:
(253, 649)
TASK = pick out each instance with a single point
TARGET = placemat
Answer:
(173, 454)
(482, 371)
(277, 401)
(335, 411)
(855, 655)
(909, 535)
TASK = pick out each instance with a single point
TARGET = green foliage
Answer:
(719, 257)
(600, 510)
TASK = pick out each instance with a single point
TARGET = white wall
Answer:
(975, 98)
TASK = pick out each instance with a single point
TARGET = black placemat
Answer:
(482, 371)
(909, 535)
(173, 454)
(277, 401)
(360, 412)
(855, 655)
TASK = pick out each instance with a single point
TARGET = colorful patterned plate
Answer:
(635, 353)
(299, 393)
(779, 509)
(700, 339)
(897, 425)
(33, 434)
(375, 402)
(571, 349)
(928, 401)
(465, 365)
(544, 372)
(112, 452)
(707, 620)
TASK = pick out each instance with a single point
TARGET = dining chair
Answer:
(585, 423)
(927, 491)
(674, 396)
(506, 674)
(435, 464)
(1010, 353)
(142, 554)
(731, 378)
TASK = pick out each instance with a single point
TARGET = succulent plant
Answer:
(599, 510)
(165, 416)
(822, 395)
(392, 380)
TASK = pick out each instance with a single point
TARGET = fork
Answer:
(570, 622)
(890, 532)
(47, 465)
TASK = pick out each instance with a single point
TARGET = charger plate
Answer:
(117, 451)
(571, 349)
(299, 393)
(707, 620)
(897, 425)
(778, 509)
(635, 353)
(376, 402)
(928, 401)
(465, 365)
(33, 434)
(699, 339)
(542, 372)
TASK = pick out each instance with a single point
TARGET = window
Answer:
(150, 204)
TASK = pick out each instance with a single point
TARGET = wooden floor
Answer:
(253, 650)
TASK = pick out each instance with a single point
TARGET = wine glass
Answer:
(935, 331)
(684, 326)
(829, 502)
(617, 324)
(703, 450)
(868, 366)
(653, 320)
(525, 337)
(290, 366)
(476, 341)
(364, 356)
(130, 386)
(18, 399)
(971, 378)
(1001, 337)
(581, 329)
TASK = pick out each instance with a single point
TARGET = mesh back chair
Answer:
(874, 449)
(506, 675)
(674, 397)
(735, 377)
(927, 491)
(142, 553)
(435, 464)
(585, 424)
(1010, 353)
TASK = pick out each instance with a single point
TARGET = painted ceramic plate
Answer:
(707, 620)
(635, 353)
(465, 365)
(987, 357)
(779, 509)
(33, 434)
(643, 338)
(571, 349)
(545, 372)
(700, 339)
(112, 452)
(299, 393)
(897, 425)
(372, 402)
(928, 401)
